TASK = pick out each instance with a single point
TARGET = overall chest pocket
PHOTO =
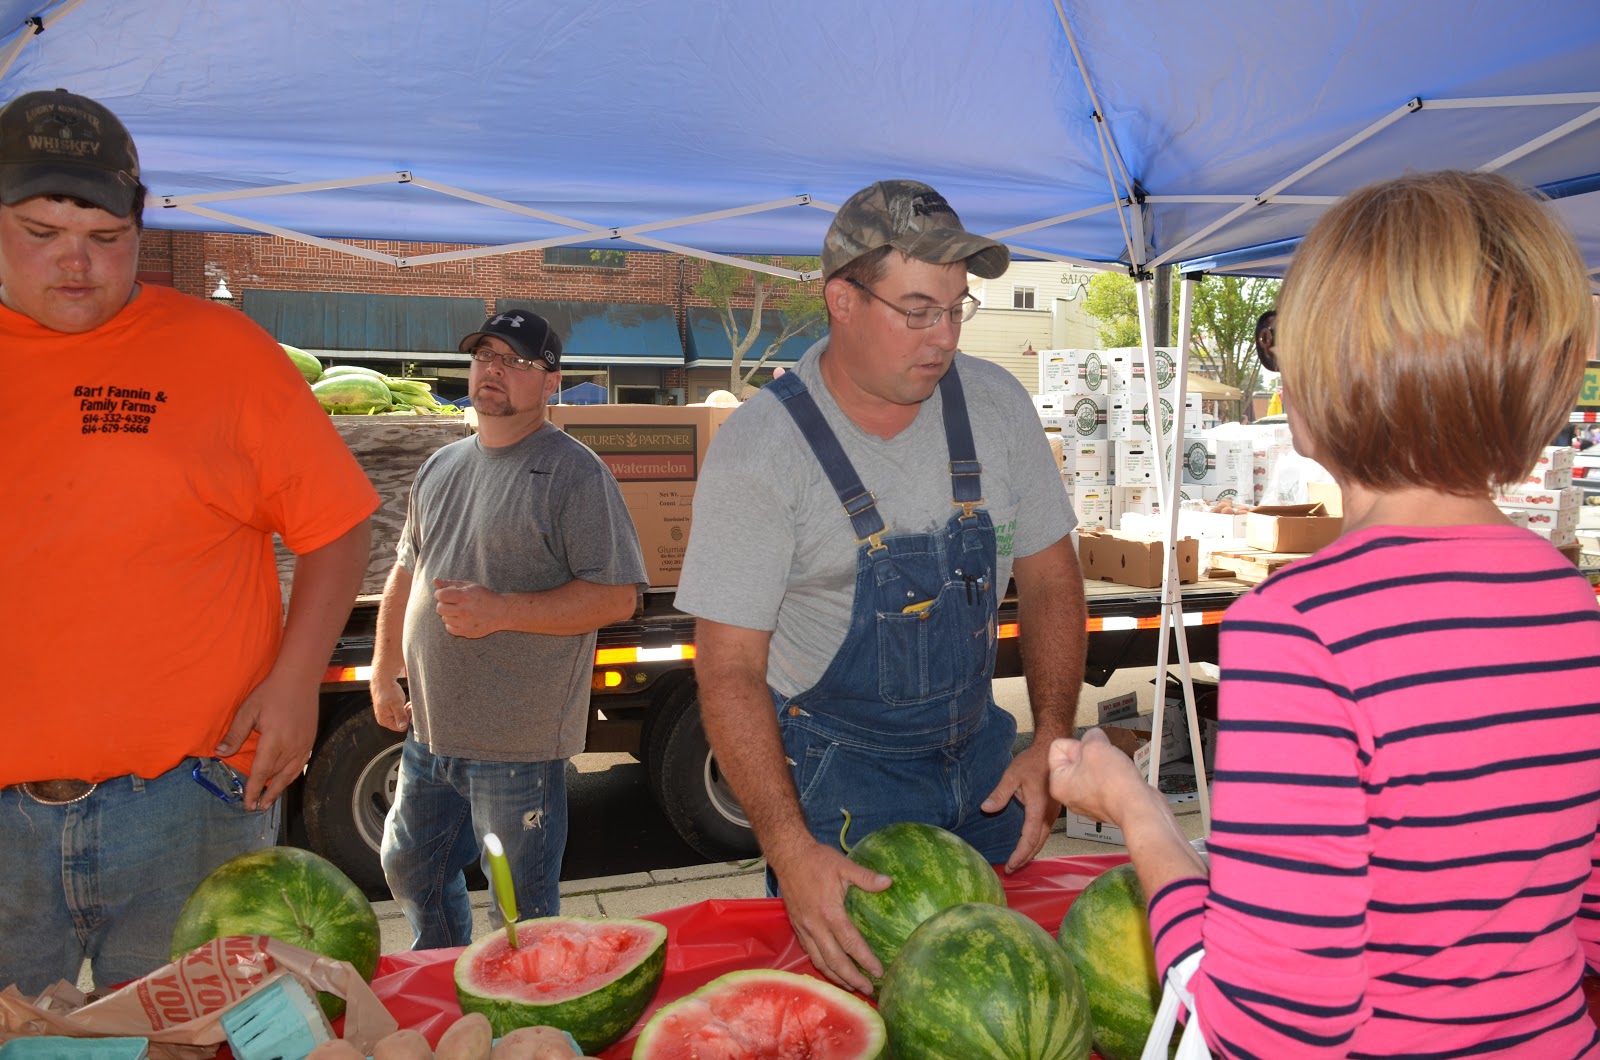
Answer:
(941, 641)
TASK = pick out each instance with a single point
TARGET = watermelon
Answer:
(762, 1012)
(932, 870)
(309, 366)
(292, 895)
(352, 369)
(590, 978)
(981, 981)
(1106, 935)
(353, 393)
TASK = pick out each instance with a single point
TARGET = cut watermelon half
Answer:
(763, 1013)
(592, 978)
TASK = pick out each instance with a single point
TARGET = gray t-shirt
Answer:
(522, 518)
(771, 548)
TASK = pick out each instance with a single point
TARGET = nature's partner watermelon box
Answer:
(656, 452)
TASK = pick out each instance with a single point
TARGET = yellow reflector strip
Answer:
(606, 679)
(345, 674)
(625, 656)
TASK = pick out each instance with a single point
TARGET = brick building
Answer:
(630, 320)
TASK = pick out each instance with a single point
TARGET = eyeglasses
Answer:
(926, 316)
(485, 355)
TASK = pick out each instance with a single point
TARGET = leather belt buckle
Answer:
(58, 792)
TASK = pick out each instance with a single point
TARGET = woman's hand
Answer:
(1093, 778)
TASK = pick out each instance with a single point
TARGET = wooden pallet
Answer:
(1253, 565)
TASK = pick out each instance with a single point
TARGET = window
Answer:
(589, 259)
(1022, 298)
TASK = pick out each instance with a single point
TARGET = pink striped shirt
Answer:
(1403, 845)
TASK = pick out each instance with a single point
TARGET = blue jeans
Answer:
(104, 878)
(442, 809)
(885, 780)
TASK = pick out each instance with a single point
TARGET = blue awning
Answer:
(333, 322)
(600, 333)
(709, 346)
(584, 393)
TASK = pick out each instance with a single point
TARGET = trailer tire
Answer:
(348, 791)
(686, 782)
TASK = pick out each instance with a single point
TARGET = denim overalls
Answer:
(902, 725)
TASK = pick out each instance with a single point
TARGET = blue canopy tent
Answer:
(1209, 133)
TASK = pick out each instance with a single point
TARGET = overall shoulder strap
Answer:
(966, 481)
(859, 505)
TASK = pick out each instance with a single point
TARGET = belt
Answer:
(57, 792)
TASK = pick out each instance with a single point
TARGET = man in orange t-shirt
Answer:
(156, 701)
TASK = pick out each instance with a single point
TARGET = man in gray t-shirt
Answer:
(854, 527)
(523, 549)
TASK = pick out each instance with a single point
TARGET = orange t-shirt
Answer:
(147, 465)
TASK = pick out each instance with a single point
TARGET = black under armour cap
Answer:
(526, 332)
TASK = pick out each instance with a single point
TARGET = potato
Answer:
(402, 1045)
(468, 1038)
(338, 1049)
(533, 1043)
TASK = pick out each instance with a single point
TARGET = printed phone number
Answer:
(115, 424)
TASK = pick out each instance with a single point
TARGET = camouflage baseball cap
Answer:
(58, 143)
(915, 220)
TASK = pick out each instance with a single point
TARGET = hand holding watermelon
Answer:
(815, 879)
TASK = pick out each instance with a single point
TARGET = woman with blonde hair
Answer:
(1402, 856)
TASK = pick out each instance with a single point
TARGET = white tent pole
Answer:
(1094, 99)
(397, 177)
(1059, 219)
(1186, 675)
(1141, 289)
(1539, 141)
(298, 237)
(1411, 106)
(32, 28)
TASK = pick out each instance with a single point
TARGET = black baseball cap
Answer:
(526, 332)
(58, 143)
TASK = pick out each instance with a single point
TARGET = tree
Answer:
(1113, 303)
(800, 303)
(1223, 324)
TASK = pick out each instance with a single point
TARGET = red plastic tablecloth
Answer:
(709, 939)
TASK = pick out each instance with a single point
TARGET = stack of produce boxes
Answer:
(1547, 499)
(1100, 402)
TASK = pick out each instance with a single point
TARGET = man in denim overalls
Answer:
(854, 526)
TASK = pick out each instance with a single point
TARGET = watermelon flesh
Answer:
(763, 1015)
(981, 982)
(1106, 935)
(590, 978)
(932, 870)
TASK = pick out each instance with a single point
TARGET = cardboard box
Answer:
(1213, 494)
(1057, 369)
(1532, 498)
(1555, 458)
(1564, 520)
(1210, 524)
(1291, 528)
(1559, 536)
(1218, 462)
(1328, 495)
(655, 452)
(1093, 506)
(1087, 460)
(1140, 500)
(1549, 480)
(1135, 464)
(1087, 414)
(1130, 559)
